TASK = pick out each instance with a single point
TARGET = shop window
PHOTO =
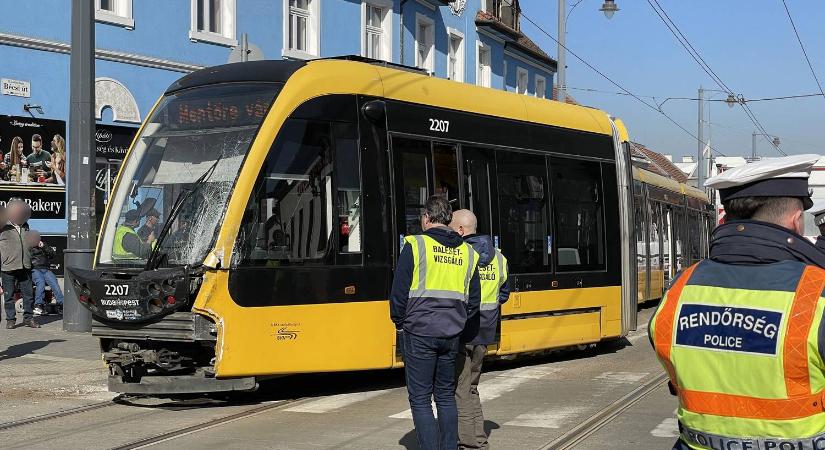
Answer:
(524, 210)
(578, 209)
(213, 21)
(115, 12)
(307, 199)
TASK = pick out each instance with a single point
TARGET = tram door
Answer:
(422, 168)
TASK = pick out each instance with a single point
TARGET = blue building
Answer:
(143, 46)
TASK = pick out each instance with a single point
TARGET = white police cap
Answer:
(818, 210)
(776, 177)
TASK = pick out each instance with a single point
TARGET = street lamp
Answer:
(608, 8)
(774, 140)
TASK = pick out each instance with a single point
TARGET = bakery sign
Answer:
(17, 88)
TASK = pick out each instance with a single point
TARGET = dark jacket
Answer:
(14, 253)
(41, 257)
(428, 317)
(820, 243)
(483, 331)
(751, 242)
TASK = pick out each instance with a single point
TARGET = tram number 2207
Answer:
(442, 126)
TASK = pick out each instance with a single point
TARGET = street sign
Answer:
(18, 88)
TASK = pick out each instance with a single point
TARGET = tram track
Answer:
(604, 416)
(56, 415)
(206, 425)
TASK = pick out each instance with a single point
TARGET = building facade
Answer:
(143, 46)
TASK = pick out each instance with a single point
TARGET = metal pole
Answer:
(244, 48)
(753, 145)
(561, 73)
(700, 168)
(79, 251)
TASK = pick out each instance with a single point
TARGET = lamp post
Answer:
(774, 139)
(608, 8)
(701, 170)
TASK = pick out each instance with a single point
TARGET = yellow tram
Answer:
(285, 190)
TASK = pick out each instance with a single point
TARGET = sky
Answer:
(750, 45)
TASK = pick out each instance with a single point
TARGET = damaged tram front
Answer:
(158, 235)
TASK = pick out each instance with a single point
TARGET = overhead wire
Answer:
(749, 100)
(683, 40)
(619, 86)
(802, 46)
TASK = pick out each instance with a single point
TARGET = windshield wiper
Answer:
(173, 214)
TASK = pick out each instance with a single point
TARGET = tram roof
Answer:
(404, 84)
(655, 179)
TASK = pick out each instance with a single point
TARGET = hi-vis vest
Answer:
(118, 251)
(492, 277)
(745, 363)
(440, 272)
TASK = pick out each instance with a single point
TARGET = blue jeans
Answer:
(23, 279)
(430, 370)
(41, 278)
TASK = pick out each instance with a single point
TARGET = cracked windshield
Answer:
(177, 179)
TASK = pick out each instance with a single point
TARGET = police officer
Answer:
(818, 211)
(495, 290)
(740, 333)
(435, 290)
(127, 244)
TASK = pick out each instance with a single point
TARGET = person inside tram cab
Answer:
(148, 228)
(818, 211)
(128, 244)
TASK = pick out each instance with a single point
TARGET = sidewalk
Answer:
(44, 370)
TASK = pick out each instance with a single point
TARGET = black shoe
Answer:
(58, 309)
(31, 323)
(10, 324)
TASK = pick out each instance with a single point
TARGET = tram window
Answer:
(678, 225)
(667, 238)
(289, 217)
(445, 169)
(414, 162)
(477, 169)
(579, 214)
(348, 183)
(524, 208)
(641, 234)
(694, 233)
(654, 234)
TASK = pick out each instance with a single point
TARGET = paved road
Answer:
(528, 403)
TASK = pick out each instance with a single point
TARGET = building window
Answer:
(115, 12)
(541, 87)
(424, 43)
(483, 70)
(522, 78)
(507, 11)
(301, 29)
(376, 30)
(213, 21)
(455, 56)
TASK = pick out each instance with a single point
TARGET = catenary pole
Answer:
(79, 251)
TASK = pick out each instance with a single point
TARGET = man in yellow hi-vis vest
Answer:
(435, 291)
(741, 333)
(127, 244)
(478, 334)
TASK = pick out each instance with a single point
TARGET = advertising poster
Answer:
(33, 151)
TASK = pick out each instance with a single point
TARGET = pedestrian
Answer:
(42, 274)
(15, 262)
(435, 291)
(478, 334)
(740, 333)
(818, 211)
